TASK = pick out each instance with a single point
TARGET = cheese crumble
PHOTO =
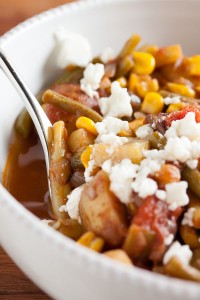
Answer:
(107, 55)
(176, 194)
(72, 205)
(172, 100)
(92, 79)
(121, 176)
(183, 253)
(188, 216)
(118, 104)
(72, 49)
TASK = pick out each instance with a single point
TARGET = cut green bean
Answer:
(70, 105)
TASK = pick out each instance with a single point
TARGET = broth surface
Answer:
(25, 175)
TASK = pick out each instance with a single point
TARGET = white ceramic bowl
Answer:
(56, 264)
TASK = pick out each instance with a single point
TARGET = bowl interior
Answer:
(105, 23)
(31, 48)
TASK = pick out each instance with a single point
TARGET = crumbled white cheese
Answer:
(135, 99)
(92, 79)
(107, 130)
(88, 170)
(145, 188)
(111, 139)
(121, 176)
(111, 125)
(169, 239)
(107, 55)
(183, 253)
(176, 194)
(72, 205)
(160, 194)
(118, 104)
(177, 149)
(144, 131)
(143, 185)
(172, 100)
(186, 127)
(72, 49)
(188, 216)
(192, 163)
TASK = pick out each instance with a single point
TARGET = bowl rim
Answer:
(58, 240)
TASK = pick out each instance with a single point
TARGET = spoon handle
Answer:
(35, 110)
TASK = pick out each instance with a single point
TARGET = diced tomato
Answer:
(74, 92)
(154, 215)
(178, 115)
(55, 114)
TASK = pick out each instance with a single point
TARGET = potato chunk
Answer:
(101, 212)
(133, 150)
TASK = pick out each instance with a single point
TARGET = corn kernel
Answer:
(174, 107)
(193, 64)
(181, 89)
(90, 240)
(86, 238)
(97, 244)
(125, 133)
(120, 255)
(153, 103)
(132, 82)
(85, 156)
(146, 85)
(122, 81)
(135, 124)
(130, 45)
(87, 124)
(168, 55)
(144, 63)
(152, 49)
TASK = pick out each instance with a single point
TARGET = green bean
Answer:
(68, 227)
(71, 76)
(75, 161)
(125, 65)
(23, 124)
(70, 105)
(157, 141)
(59, 167)
(130, 45)
(192, 176)
(188, 100)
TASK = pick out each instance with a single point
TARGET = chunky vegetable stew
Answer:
(124, 156)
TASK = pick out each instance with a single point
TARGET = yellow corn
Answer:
(125, 65)
(174, 107)
(153, 103)
(146, 85)
(132, 82)
(126, 133)
(134, 125)
(168, 55)
(181, 89)
(122, 81)
(120, 255)
(152, 49)
(87, 124)
(144, 63)
(194, 65)
(130, 45)
(85, 156)
(90, 240)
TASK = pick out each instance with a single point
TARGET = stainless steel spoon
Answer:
(41, 121)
